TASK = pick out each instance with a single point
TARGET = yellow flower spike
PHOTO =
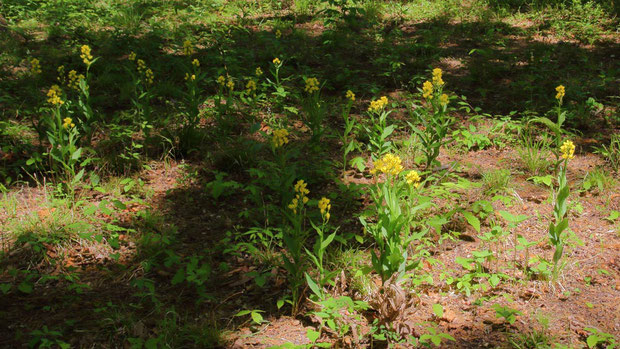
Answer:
(378, 105)
(67, 122)
(312, 85)
(561, 91)
(350, 95)
(86, 56)
(437, 77)
(221, 80)
(250, 87)
(196, 63)
(427, 90)
(61, 74)
(54, 94)
(443, 100)
(568, 150)
(276, 61)
(35, 66)
(279, 137)
(278, 34)
(188, 48)
(413, 178)
(389, 164)
(132, 56)
(324, 207)
(230, 84)
(148, 76)
(259, 71)
(74, 80)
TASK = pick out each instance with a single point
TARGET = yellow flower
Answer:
(568, 150)
(54, 94)
(325, 206)
(293, 205)
(221, 80)
(87, 58)
(250, 87)
(437, 80)
(148, 76)
(74, 80)
(190, 77)
(196, 63)
(276, 61)
(132, 56)
(350, 95)
(141, 65)
(443, 100)
(561, 91)
(67, 122)
(413, 178)
(279, 137)
(259, 71)
(188, 48)
(278, 34)
(378, 105)
(230, 84)
(389, 164)
(35, 66)
(427, 90)
(301, 187)
(300, 198)
(312, 85)
(61, 74)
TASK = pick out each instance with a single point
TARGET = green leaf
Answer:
(178, 277)
(592, 341)
(280, 303)
(438, 310)
(25, 287)
(256, 317)
(313, 286)
(5, 288)
(472, 220)
(494, 280)
(312, 335)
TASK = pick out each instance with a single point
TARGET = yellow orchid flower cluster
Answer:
(276, 61)
(86, 55)
(301, 196)
(568, 150)
(437, 77)
(413, 178)
(54, 94)
(67, 123)
(350, 95)
(279, 137)
(312, 85)
(132, 56)
(378, 105)
(145, 71)
(190, 77)
(428, 87)
(196, 63)
(188, 47)
(35, 66)
(74, 80)
(258, 71)
(389, 164)
(230, 84)
(561, 91)
(325, 206)
(250, 87)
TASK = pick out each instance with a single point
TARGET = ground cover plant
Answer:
(301, 174)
